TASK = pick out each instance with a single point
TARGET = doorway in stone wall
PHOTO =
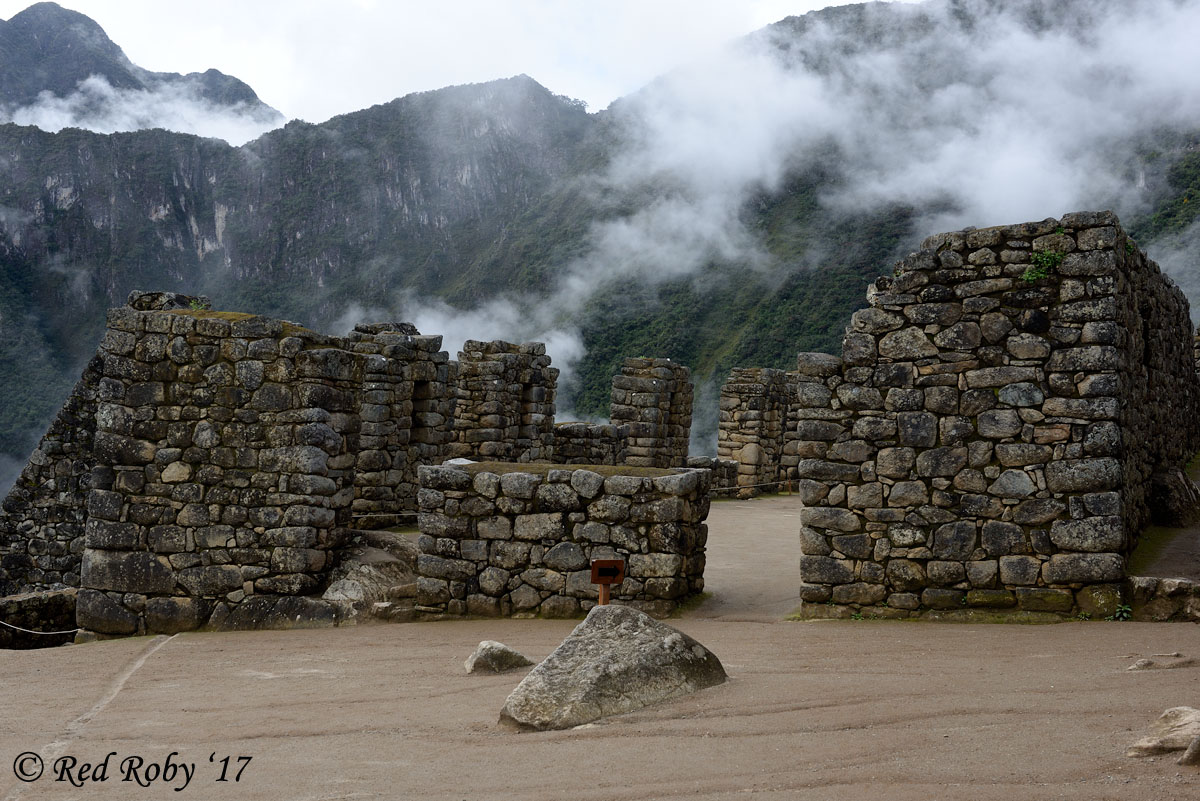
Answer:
(752, 558)
(1170, 551)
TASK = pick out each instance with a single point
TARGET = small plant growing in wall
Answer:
(195, 304)
(1123, 612)
(1044, 262)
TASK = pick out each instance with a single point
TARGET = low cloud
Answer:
(96, 105)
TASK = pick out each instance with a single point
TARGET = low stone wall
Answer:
(37, 612)
(724, 472)
(504, 539)
(1163, 599)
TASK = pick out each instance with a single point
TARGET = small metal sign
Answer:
(607, 572)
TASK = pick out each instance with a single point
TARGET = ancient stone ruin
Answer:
(209, 465)
(1005, 418)
(996, 425)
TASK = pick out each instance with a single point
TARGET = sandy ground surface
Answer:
(822, 710)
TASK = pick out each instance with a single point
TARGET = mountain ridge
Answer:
(50, 49)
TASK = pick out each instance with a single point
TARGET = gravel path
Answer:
(824, 710)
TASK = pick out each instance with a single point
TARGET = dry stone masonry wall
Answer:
(41, 527)
(505, 402)
(754, 407)
(990, 433)
(229, 454)
(208, 464)
(585, 443)
(653, 397)
(503, 541)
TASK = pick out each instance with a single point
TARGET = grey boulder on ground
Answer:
(617, 660)
(1174, 730)
(495, 657)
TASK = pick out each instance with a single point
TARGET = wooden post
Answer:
(604, 595)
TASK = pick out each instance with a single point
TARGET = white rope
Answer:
(31, 631)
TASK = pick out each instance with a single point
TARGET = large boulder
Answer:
(617, 660)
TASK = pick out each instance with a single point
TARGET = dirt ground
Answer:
(821, 710)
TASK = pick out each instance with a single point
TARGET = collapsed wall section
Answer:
(990, 433)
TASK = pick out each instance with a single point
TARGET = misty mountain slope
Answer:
(59, 69)
(300, 223)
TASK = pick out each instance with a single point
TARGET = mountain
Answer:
(53, 56)
(730, 213)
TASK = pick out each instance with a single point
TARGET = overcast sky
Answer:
(313, 59)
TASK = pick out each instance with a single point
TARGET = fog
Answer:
(1000, 120)
(96, 105)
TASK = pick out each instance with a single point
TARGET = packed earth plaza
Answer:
(229, 508)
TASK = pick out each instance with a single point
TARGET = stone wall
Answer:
(724, 471)
(41, 526)
(209, 462)
(52, 614)
(504, 407)
(499, 540)
(990, 434)
(754, 407)
(653, 397)
(405, 409)
(587, 443)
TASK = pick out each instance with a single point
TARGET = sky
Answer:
(314, 59)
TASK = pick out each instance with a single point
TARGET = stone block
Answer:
(1085, 568)
(825, 570)
(173, 615)
(95, 611)
(1044, 599)
(136, 571)
(1104, 533)
(212, 581)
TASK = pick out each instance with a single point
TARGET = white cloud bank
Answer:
(96, 105)
(981, 125)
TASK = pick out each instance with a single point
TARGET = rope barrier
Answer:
(31, 631)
